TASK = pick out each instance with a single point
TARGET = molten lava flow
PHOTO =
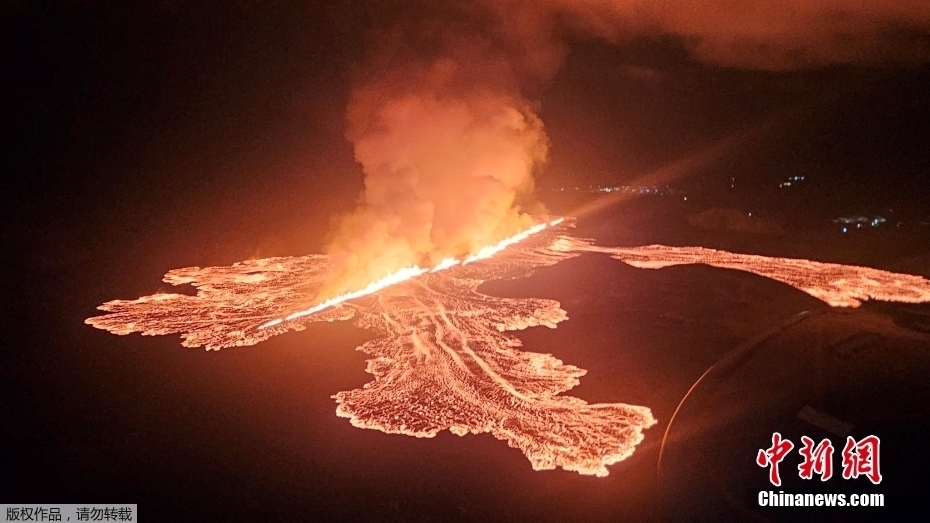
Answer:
(391, 279)
(835, 284)
(444, 359)
(491, 250)
(412, 272)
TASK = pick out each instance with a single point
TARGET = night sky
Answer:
(140, 138)
(227, 121)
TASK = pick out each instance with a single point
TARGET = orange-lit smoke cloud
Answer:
(446, 131)
(759, 34)
(446, 139)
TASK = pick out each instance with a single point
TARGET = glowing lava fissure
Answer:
(444, 358)
(407, 273)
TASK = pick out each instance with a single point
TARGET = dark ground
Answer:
(251, 433)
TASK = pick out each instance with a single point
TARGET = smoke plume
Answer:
(446, 139)
(444, 124)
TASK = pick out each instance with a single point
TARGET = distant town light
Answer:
(873, 221)
(664, 190)
(791, 180)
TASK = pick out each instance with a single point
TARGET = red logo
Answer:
(773, 456)
(816, 460)
(862, 458)
(859, 458)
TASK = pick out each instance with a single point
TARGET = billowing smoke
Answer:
(446, 138)
(448, 135)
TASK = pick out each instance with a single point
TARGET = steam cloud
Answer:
(446, 139)
(443, 123)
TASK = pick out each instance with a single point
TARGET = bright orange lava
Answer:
(836, 284)
(444, 359)
(408, 273)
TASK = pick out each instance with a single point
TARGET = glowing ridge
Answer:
(391, 279)
(412, 272)
(445, 264)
